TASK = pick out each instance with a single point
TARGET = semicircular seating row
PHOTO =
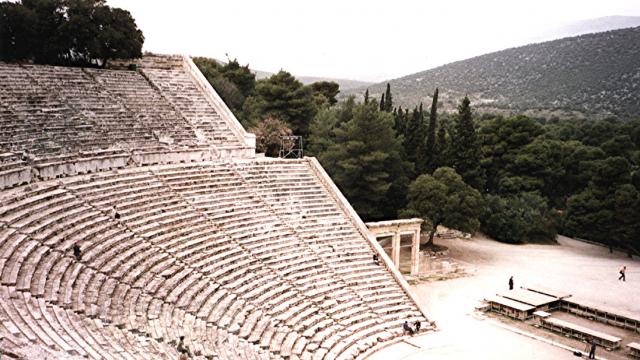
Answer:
(247, 260)
(49, 111)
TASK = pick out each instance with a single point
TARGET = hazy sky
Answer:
(364, 40)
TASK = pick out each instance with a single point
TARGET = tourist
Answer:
(407, 328)
(182, 349)
(417, 325)
(592, 351)
(375, 259)
(76, 252)
(511, 283)
(114, 213)
(622, 271)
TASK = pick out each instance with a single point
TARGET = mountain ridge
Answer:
(587, 75)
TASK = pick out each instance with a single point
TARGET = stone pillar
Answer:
(415, 253)
(395, 250)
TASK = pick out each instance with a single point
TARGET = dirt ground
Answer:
(587, 271)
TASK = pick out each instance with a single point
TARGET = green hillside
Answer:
(594, 74)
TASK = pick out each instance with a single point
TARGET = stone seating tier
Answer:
(48, 111)
(203, 250)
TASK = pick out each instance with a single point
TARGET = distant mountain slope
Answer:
(345, 84)
(589, 26)
(595, 74)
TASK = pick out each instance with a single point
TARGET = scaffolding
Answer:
(291, 147)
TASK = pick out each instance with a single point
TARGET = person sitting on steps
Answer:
(76, 252)
(183, 350)
(407, 328)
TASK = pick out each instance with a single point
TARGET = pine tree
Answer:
(382, 102)
(465, 148)
(430, 145)
(366, 163)
(366, 96)
(388, 99)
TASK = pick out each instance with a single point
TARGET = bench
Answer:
(511, 308)
(581, 332)
(535, 299)
(634, 350)
(550, 292)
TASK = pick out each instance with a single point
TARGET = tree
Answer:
(441, 150)
(365, 161)
(228, 90)
(321, 131)
(502, 140)
(465, 148)
(240, 75)
(607, 211)
(414, 137)
(17, 24)
(388, 100)
(382, 102)
(443, 199)
(366, 96)
(430, 144)
(519, 219)
(68, 32)
(284, 97)
(400, 119)
(269, 133)
(327, 89)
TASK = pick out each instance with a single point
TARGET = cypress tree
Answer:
(421, 135)
(431, 135)
(366, 96)
(465, 147)
(400, 124)
(388, 99)
(414, 138)
(382, 103)
(442, 148)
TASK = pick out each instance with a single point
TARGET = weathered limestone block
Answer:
(171, 157)
(81, 166)
(13, 177)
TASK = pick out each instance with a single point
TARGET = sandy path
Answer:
(584, 270)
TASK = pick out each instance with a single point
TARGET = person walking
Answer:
(592, 351)
(511, 283)
(417, 325)
(622, 272)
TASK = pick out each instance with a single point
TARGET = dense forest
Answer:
(517, 179)
(591, 76)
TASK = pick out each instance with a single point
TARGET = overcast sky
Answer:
(363, 40)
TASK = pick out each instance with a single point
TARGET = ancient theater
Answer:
(138, 222)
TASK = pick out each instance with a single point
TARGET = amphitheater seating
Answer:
(202, 242)
(246, 258)
(51, 110)
(183, 93)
